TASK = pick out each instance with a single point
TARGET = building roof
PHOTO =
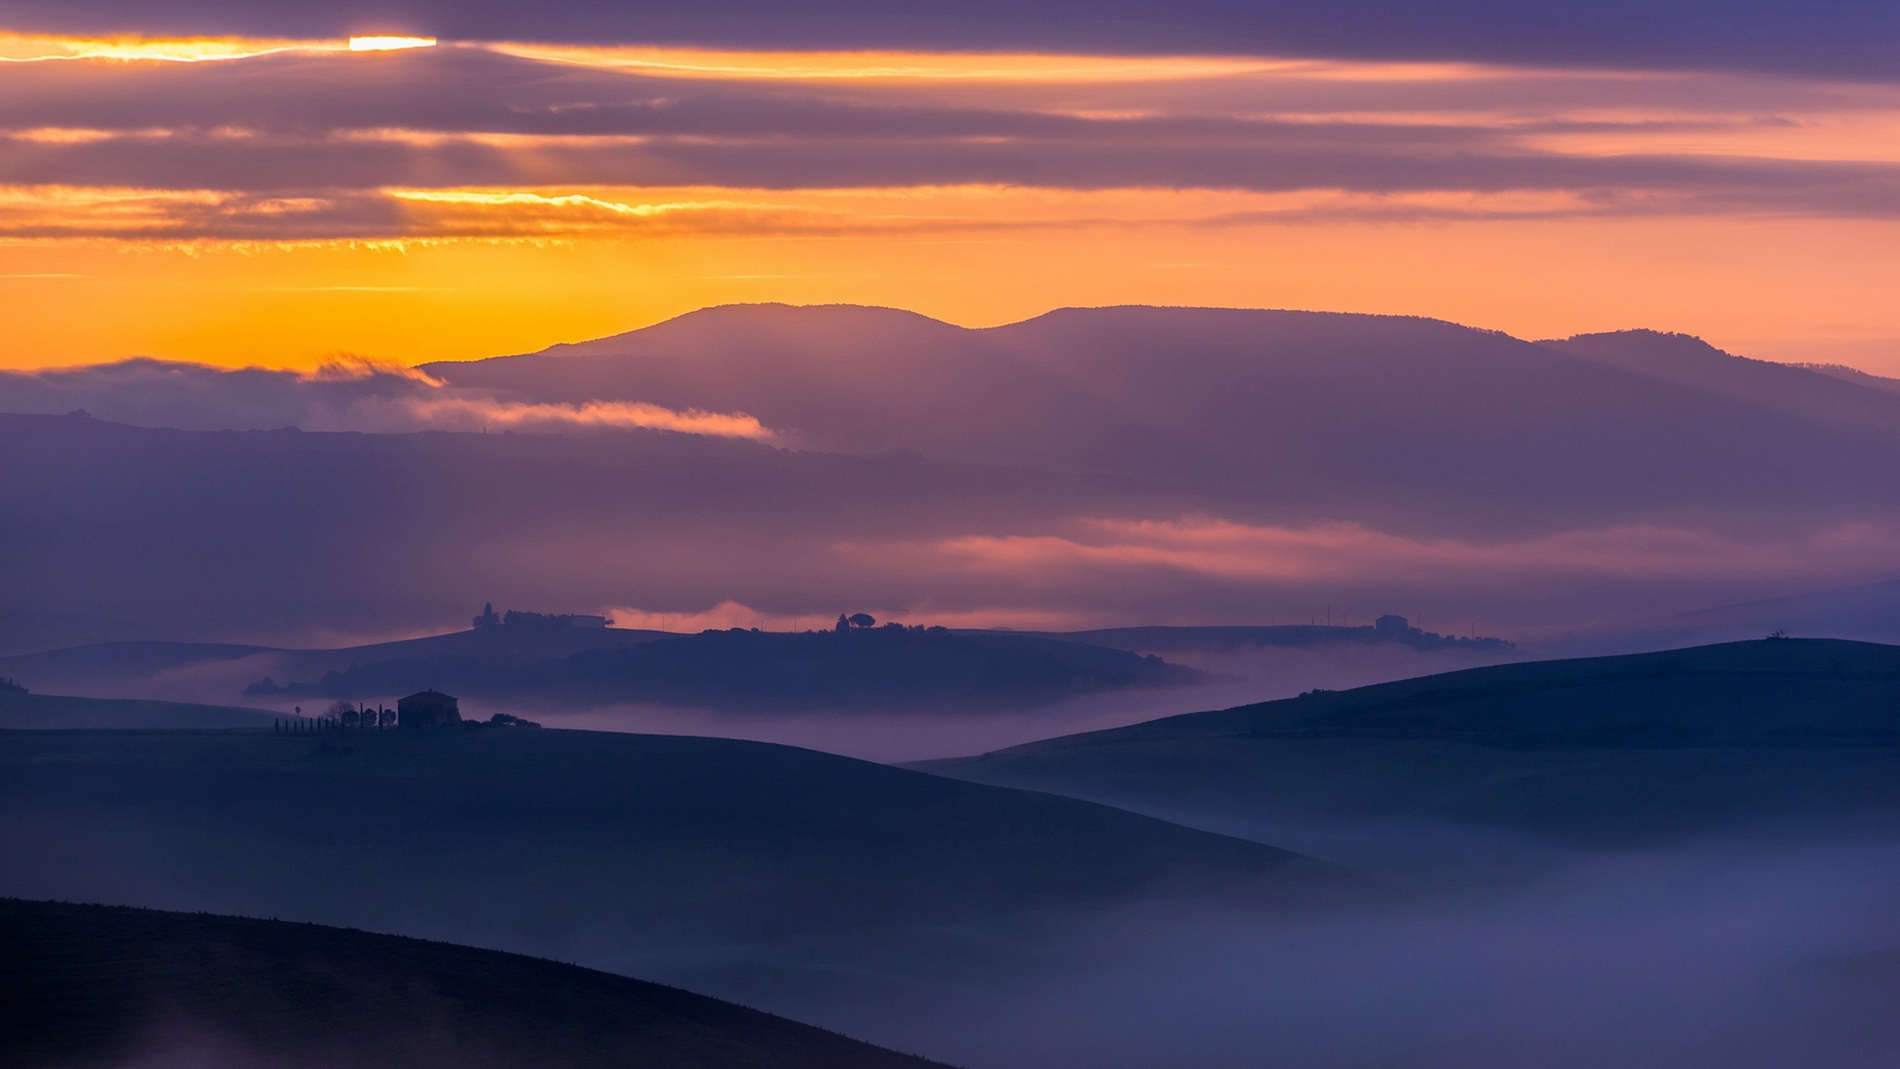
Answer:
(429, 696)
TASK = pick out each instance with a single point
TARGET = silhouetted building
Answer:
(429, 709)
(1389, 622)
(583, 620)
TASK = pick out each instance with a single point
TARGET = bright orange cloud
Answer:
(1345, 552)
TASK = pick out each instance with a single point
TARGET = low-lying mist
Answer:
(1721, 955)
(1240, 677)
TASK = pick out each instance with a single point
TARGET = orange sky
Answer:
(1751, 211)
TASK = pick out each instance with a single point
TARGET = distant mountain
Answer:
(1859, 404)
(1856, 376)
(95, 986)
(736, 868)
(1315, 408)
(1782, 732)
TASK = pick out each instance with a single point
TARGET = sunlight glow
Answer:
(22, 48)
(979, 67)
(389, 44)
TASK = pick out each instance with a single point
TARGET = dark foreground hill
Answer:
(96, 986)
(709, 861)
(1786, 733)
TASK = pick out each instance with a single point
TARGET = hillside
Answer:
(213, 669)
(54, 711)
(1870, 612)
(1618, 750)
(888, 668)
(883, 668)
(1295, 636)
(1762, 692)
(722, 863)
(96, 986)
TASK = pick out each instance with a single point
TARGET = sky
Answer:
(239, 185)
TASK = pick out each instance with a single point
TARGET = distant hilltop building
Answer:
(1391, 623)
(429, 709)
(488, 617)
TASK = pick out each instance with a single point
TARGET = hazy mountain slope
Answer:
(837, 377)
(53, 711)
(1882, 383)
(289, 535)
(715, 861)
(1868, 613)
(96, 986)
(1615, 750)
(24, 630)
(1825, 400)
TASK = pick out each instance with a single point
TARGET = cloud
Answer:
(346, 394)
(1846, 39)
(480, 413)
(469, 141)
(1213, 548)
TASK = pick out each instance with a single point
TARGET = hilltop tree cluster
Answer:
(349, 716)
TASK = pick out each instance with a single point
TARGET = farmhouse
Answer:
(426, 710)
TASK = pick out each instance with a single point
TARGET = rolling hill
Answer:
(890, 668)
(57, 712)
(86, 987)
(1615, 751)
(725, 865)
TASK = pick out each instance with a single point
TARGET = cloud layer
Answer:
(520, 140)
(342, 396)
(1834, 36)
